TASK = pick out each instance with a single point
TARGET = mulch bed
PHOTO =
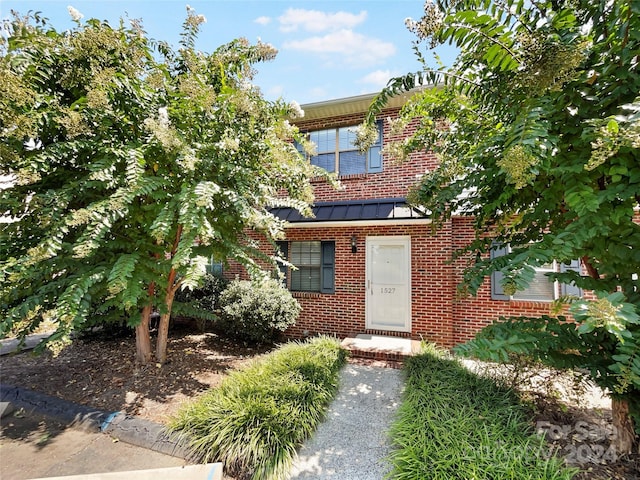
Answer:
(102, 373)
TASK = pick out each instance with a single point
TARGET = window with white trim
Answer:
(336, 151)
(214, 267)
(315, 265)
(541, 288)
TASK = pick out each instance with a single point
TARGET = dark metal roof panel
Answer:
(380, 209)
(370, 210)
(323, 212)
(339, 212)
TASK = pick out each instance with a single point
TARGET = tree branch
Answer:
(482, 34)
(176, 240)
(591, 270)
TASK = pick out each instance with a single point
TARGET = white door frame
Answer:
(400, 288)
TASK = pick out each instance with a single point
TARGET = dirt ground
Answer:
(102, 373)
(583, 436)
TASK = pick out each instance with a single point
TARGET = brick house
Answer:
(368, 263)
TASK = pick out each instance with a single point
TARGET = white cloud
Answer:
(317, 21)
(349, 47)
(318, 93)
(262, 20)
(378, 78)
(275, 91)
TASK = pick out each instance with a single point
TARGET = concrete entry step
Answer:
(381, 347)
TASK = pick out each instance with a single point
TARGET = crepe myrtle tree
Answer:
(132, 164)
(537, 128)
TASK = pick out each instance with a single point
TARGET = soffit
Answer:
(349, 105)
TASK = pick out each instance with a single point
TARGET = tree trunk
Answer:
(143, 338)
(591, 270)
(163, 326)
(163, 338)
(172, 287)
(624, 433)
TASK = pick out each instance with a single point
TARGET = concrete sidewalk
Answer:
(12, 345)
(349, 445)
(353, 440)
(35, 445)
(44, 436)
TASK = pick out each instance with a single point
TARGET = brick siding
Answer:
(438, 314)
(395, 179)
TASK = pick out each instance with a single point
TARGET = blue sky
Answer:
(327, 49)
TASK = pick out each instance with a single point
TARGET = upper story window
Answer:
(336, 151)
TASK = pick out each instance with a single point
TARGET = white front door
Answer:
(389, 283)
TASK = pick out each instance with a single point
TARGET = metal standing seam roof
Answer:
(379, 209)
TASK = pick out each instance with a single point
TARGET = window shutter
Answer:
(300, 148)
(571, 288)
(375, 160)
(328, 267)
(496, 277)
(375, 152)
(283, 247)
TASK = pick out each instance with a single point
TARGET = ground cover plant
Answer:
(258, 416)
(454, 424)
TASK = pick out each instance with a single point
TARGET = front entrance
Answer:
(388, 269)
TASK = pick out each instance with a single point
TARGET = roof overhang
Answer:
(387, 211)
(351, 105)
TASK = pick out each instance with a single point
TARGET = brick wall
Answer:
(472, 313)
(438, 313)
(392, 182)
(343, 313)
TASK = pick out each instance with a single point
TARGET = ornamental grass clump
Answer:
(453, 424)
(254, 421)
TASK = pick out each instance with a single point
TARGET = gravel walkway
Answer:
(352, 442)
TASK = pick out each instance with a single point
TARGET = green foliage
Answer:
(131, 163)
(201, 302)
(542, 99)
(537, 128)
(257, 418)
(602, 341)
(257, 311)
(453, 424)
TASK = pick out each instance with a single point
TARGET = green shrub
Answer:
(258, 416)
(257, 312)
(200, 303)
(453, 424)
